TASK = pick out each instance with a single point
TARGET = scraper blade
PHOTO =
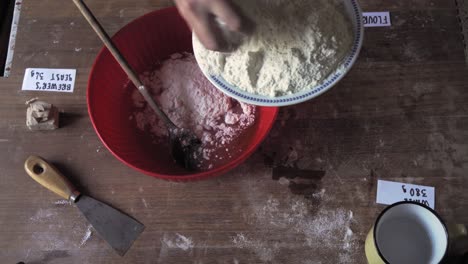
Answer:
(118, 229)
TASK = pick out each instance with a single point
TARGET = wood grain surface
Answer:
(6, 15)
(462, 6)
(306, 196)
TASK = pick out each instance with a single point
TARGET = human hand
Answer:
(217, 23)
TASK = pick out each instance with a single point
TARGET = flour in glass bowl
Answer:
(193, 103)
(296, 45)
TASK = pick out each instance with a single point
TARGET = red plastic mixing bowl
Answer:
(144, 42)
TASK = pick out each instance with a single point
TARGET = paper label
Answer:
(392, 192)
(376, 19)
(49, 80)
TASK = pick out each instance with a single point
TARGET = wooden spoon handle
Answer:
(107, 41)
(49, 177)
(121, 60)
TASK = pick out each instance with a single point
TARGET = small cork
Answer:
(41, 115)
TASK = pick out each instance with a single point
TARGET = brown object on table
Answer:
(41, 115)
(399, 115)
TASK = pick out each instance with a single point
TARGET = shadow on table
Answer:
(458, 253)
(68, 119)
(71, 175)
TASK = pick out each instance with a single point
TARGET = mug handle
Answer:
(457, 231)
(458, 235)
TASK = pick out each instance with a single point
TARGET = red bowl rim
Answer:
(200, 175)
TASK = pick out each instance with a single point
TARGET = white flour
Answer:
(179, 241)
(86, 236)
(265, 252)
(277, 219)
(62, 202)
(296, 45)
(193, 103)
(43, 215)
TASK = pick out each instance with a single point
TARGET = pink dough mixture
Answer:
(192, 102)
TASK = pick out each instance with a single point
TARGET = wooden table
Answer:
(400, 115)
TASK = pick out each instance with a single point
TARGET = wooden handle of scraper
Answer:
(121, 60)
(48, 176)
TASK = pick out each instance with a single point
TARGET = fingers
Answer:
(203, 24)
(202, 16)
(209, 33)
(226, 13)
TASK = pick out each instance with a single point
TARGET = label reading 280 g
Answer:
(50, 80)
(376, 19)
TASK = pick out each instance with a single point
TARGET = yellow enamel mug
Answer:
(407, 233)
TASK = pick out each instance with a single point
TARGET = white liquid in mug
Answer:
(409, 239)
(411, 234)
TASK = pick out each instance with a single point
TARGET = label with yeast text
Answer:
(49, 80)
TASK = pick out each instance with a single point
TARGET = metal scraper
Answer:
(118, 229)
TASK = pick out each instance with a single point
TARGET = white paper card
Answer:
(392, 192)
(49, 80)
(376, 19)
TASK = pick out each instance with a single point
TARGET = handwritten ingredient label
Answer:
(392, 192)
(50, 80)
(376, 19)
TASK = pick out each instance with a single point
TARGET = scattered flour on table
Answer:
(179, 241)
(327, 227)
(54, 233)
(298, 220)
(43, 215)
(319, 195)
(145, 203)
(348, 235)
(265, 253)
(193, 103)
(86, 236)
(48, 242)
(62, 202)
(296, 45)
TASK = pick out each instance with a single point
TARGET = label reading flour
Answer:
(376, 19)
(50, 80)
(392, 192)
